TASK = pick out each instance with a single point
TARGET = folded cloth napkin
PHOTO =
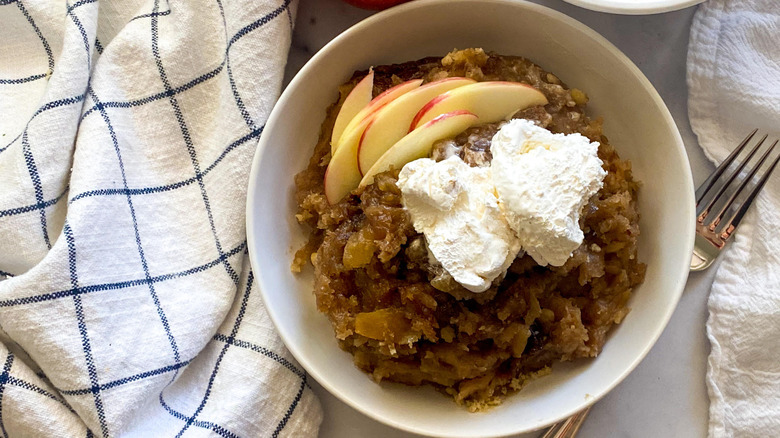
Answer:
(734, 86)
(127, 306)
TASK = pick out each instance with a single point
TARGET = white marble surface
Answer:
(666, 395)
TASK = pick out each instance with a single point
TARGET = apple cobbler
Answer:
(397, 296)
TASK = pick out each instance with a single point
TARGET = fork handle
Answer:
(698, 263)
(567, 428)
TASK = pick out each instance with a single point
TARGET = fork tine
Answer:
(734, 221)
(707, 184)
(703, 211)
(744, 183)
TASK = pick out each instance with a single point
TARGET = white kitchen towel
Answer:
(127, 306)
(734, 87)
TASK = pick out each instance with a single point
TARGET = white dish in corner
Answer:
(634, 7)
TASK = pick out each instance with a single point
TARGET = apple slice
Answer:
(418, 143)
(391, 122)
(490, 101)
(376, 103)
(356, 100)
(342, 174)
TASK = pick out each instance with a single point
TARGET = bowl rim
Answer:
(646, 7)
(265, 141)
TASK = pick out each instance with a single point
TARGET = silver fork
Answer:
(718, 193)
(721, 202)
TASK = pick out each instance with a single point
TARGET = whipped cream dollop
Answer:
(543, 181)
(455, 206)
(477, 219)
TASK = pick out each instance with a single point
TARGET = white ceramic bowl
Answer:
(637, 122)
(634, 7)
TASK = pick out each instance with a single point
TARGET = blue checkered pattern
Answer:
(127, 305)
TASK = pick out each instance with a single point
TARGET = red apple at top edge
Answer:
(490, 101)
(375, 5)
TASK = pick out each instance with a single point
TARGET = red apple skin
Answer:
(375, 5)
(444, 116)
(424, 110)
(390, 90)
(436, 83)
(379, 101)
(406, 150)
(445, 96)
